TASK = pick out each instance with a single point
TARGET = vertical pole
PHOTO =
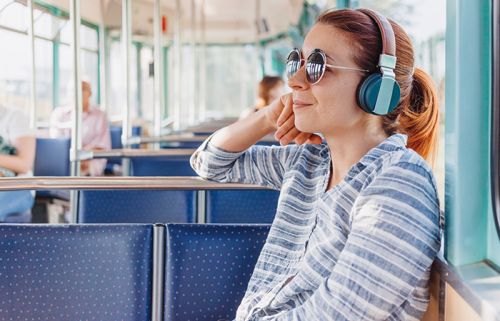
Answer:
(103, 62)
(177, 66)
(31, 36)
(194, 96)
(258, 47)
(76, 137)
(159, 93)
(126, 52)
(203, 65)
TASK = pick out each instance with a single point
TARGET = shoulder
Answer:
(402, 180)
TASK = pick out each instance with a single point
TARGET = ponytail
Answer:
(419, 116)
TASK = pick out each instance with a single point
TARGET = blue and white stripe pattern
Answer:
(360, 251)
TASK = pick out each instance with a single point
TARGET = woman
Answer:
(357, 226)
(270, 88)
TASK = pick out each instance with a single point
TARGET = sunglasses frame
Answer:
(323, 68)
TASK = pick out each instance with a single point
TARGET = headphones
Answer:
(379, 93)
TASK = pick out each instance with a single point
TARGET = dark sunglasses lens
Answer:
(315, 67)
(292, 63)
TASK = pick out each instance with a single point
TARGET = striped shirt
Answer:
(359, 251)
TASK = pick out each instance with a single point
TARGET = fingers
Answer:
(287, 109)
(314, 139)
(289, 136)
(302, 138)
(285, 127)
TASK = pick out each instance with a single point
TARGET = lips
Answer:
(300, 103)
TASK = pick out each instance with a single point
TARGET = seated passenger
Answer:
(358, 223)
(270, 88)
(17, 155)
(95, 130)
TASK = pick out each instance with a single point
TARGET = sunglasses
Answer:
(315, 65)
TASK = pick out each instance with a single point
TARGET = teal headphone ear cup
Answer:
(368, 92)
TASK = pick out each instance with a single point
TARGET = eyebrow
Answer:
(327, 56)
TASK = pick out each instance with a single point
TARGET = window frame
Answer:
(495, 116)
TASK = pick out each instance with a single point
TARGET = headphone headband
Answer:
(388, 38)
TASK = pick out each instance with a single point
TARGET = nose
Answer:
(299, 80)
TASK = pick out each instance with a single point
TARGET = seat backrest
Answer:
(162, 166)
(137, 206)
(52, 157)
(208, 267)
(116, 136)
(241, 206)
(76, 272)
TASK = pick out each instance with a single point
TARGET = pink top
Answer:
(95, 133)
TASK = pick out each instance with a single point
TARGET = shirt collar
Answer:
(391, 143)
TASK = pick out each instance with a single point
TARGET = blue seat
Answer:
(137, 206)
(116, 143)
(52, 159)
(208, 267)
(161, 166)
(76, 272)
(241, 206)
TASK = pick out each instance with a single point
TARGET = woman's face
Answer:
(330, 105)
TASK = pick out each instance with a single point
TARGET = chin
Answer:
(305, 126)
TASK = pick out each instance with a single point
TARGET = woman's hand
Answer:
(280, 114)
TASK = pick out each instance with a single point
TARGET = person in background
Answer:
(95, 130)
(17, 155)
(270, 88)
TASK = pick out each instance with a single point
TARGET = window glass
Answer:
(147, 84)
(88, 36)
(44, 81)
(88, 69)
(65, 74)
(14, 16)
(117, 85)
(47, 25)
(15, 70)
(232, 79)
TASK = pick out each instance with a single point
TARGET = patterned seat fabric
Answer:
(75, 272)
(137, 206)
(208, 267)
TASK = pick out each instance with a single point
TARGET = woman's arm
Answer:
(224, 156)
(22, 161)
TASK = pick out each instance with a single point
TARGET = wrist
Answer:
(268, 124)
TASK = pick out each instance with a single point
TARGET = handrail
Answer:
(86, 155)
(190, 137)
(40, 183)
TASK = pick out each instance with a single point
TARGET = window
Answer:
(13, 15)
(15, 60)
